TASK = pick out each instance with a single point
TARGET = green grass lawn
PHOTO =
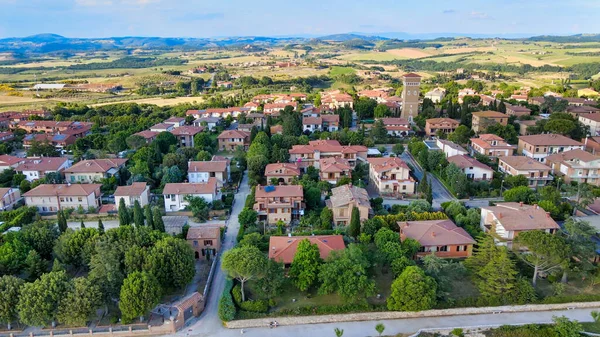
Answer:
(593, 327)
(336, 70)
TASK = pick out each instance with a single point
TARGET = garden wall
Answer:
(357, 317)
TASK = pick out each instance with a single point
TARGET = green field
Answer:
(335, 71)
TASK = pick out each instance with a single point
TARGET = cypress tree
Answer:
(123, 214)
(354, 229)
(100, 226)
(82, 224)
(138, 214)
(159, 225)
(148, 216)
(62, 221)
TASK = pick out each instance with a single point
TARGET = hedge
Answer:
(315, 310)
(227, 310)
(260, 306)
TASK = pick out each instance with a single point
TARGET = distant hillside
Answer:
(348, 37)
(52, 43)
(567, 39)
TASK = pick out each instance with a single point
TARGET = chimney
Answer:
(547, 214)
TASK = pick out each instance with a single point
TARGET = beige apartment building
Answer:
(391, 176)
(541, 146)
(344, 199)
(279, 203)
(229, 140)
(483, 119)
(311, 154)
(131, 193)
(282, 172)
(9, 197)
(333, 169)
(491, 146)
(51, 198)
(536, 173)
(445, 125)
(93, 171)
(576, 165)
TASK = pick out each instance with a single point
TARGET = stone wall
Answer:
(386, 315)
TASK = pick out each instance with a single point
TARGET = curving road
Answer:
(439, 191)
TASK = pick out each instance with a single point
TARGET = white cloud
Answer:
(479, 15)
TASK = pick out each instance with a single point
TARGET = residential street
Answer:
(440, 193)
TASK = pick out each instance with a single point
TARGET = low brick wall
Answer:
(386, 315)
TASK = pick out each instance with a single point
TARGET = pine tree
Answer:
(159, 225)
(148, 216)
(100, 226)
(483, 254)
(354, 229)
(138, 214)
(123, 213)
(498, 277)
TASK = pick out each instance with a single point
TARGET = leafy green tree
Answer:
(39, 300)
(346, 273)
(138, 214)
(398, 149)
(10, 291)
(379, 328)
(461, 135)
(400, 264)
(546, 252)
(199, 207)
(13, 253)
(80, 302)
(270, 286)
(157, 220)
(148, 216)
(519, 194)
(123, 213)
(247, 217)
(252, 239)
(41, 236)
(135, 259)
(76, 247)
(140, 293)
(354, 229)
(305, 266)
(172, 261)
(244, 264)
(326, 218)
(412, 291)
(35, 265)
(338, 332)
(516, 181)
(378, 132)
(105, 268)
(382, 110)
(483, 253)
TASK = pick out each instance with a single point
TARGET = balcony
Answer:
(548, 177)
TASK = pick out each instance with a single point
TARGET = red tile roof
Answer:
(435, 233)
(549, 139)
(44, 164)
(46, 190)
(463, 161)
(333, 165)
(207, 166)
(96, 165)
(187, 130)
(386, 164)
(282, 169)
(204, 232)
(283, 248)
(135, 189)
(233, 134)
(278, 191)
(208, 187)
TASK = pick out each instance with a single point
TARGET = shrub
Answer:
(458, 332)
(227, 309)
(260, 306)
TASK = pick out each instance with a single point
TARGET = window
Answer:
(272, 210)
(62, 199)
(443, 248)
(403, 187)
(80, 199)
(208, 242)
(195, 243)
(461, 248)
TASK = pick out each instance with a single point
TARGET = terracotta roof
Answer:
(490, 114)
(411, 75)
(331, 118)
(46, 190)
(188, 302)
(283, 248)
(208, 120)
(175, 120)
(41, 164)
(435, 233)
(107, 208)
(207, 166)
(278, 191)
(327, 146)
(96, 165)
(208, 187)
(204, 232)
(279, 105)
(442, 121)
(135, 189)
(464, 161)
(4, 191)
(386, 164)
(591, 116)
(282, 169)
(520, 217)
(549, 139)
(577, 154)
(523, 163)
(489, 137)
(162, 126)
(147, 134)
(10, 160)
(333, 164)
(312, 121)
(255, 115)
(187, 130)
(394, 121)
(233, 134)
(517, 108)
(276, 129)
(485, 142)
(346, 194)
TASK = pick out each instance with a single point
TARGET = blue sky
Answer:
(210, 18)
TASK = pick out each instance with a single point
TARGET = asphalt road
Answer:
(440, 193)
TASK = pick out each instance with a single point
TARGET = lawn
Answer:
(336, 70)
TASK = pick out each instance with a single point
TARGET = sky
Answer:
(217, 18)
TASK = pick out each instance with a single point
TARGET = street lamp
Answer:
(501, 187)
